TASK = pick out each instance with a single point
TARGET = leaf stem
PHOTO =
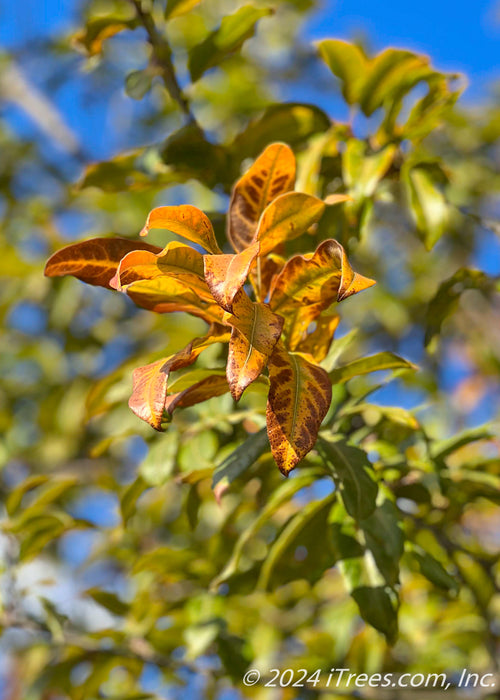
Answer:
(162, 58)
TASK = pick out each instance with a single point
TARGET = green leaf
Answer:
(337, 348)
(239, 461)
(428, 205)
(129, 498)
(385, 539)
(108, 600)
(348, 63)
(378, 605)
(432, 569)
(362, 172)
(447, 297)
(443, 448)
(353, 474)
(234, 30)
(138, 83)
(176, 8)
(373, 363)
(158, 466)
(285, 491)
(293, 123)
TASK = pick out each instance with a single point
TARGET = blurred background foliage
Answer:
(122, 576)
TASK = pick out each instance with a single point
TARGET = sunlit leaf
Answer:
(256, 330)
(234, 30)
(322, 278)
(272, 174)
(373, 363)
(428, 204)
(348, 63)
(96, 31)
(176, 8)
(94, 261)
(207, 388)
(385, 539)
(186, 221)
(286, 218)
(150, 382)
(317, 343)
(299, 398)
(226, 274)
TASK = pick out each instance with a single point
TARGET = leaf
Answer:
(443, 448)
(447, 297)
(176, 8)
(97, 30)
(293, 123)
(386, 70)
(348, 63)
(353, 474)
(299, 397)
(186, 221)
(373, 363)
(226, 274)
(428, 205)
(207, 388)
(272, 174)
(150, 382)
(320, 279)
(362, 172)
(317, 343)
(241, 459)
(433, 570)
(286, 217)
(337, 349)
(256, 330)
(108, 600)
(297, 321)
(94, 261)
(159, 464)
(283, 493)
(166, 294)
(385, 539)
(138, 83)
(234, 30)
(176, 260)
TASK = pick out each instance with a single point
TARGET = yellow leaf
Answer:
(322, 278)
(297, 321)
(318, 342)
(150, 382)
(226, 274)
(256, 331)
(272, 174)
(288, 216)
(186, 221)
(165, 294)
(299, 397)
(176, 260)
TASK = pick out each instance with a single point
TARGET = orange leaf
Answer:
(94, 261)
(186, 221)
(288, 216)
(150, 382)
(226, 274)
(256, 331)
(272, 174)
(297, 321)
(318, 342)
(207, 388)
(299, 397)
(322, 278)
(165, 294)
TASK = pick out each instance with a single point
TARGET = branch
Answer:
(162, 58)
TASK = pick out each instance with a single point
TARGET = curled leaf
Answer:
(322, 278)
(272, 174)
(299, 397)
(186, 221)
(207, 388)
(256, 330)
(226, 274)
(150, 382)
